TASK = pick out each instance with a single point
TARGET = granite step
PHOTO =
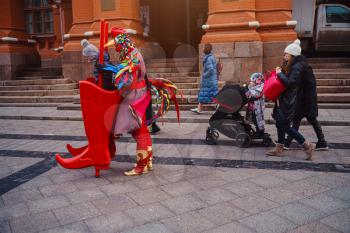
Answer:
(334, 98)
(335, 75)
(35, 82)
(333, 82)
(190, 64)
(37, 71)
(187, 79)
(41, 73)
(39, 77)
(333, 89)
(173, 60)
(36, 99)
(332, 70)
(68, 86)
(196, 85)
(171, 69)
(173, 74)
(193, 91)
(317, 60)
(40, 93)
(53, 104)
(47, 69)
(330, 65)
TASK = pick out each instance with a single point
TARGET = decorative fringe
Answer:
(165, 92)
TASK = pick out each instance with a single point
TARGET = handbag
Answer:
(273, 87)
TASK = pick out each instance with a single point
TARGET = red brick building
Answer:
(248, 35)
(30, 31)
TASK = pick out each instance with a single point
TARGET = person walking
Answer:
(285, 106)
(152, 127)
(209, 84)
(307, 107)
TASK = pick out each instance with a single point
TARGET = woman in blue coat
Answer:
(209, 84)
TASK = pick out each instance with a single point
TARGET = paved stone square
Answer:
(194, 187)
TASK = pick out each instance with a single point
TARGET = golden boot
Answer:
(150, 160)
(141, 164)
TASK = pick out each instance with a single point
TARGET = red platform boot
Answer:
(76, 151)
(99, 108)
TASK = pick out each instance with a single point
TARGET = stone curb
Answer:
(167, 119)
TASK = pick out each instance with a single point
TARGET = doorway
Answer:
(174, 24)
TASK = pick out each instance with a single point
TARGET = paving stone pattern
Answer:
(174, 197)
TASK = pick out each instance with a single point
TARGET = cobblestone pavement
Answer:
(194, 187)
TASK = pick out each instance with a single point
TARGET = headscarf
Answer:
(123, 43)
(257, 77)
(89, 50)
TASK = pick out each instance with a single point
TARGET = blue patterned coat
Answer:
(209, 84)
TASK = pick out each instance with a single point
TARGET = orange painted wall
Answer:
(275, 11)
(87, 15)
(11, 19)
(168, 20)
(267, 13)
(224, 13)
(12, 25)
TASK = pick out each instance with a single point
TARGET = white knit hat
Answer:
(294, 48)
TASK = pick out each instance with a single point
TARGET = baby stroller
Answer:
(228, 121)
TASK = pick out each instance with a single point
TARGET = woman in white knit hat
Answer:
(291, 76)
(307, 107)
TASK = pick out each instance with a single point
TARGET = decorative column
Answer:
(86, 24)
(231, 29)
(72, 60)
(276, 29)
(16, 48)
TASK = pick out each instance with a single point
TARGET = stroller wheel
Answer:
(215, 134)
(243, 140)
(210, 140)
(211, 137)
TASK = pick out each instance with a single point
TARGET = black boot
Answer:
(321, 146)
(321, 143)
(154, 128)
(287, 142)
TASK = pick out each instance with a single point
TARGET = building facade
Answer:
(31, 33)
(247, 35)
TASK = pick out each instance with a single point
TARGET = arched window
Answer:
(39, 17)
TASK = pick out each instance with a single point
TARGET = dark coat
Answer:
(288, 100)
(307, 94)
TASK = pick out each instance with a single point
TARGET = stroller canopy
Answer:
(231, 98)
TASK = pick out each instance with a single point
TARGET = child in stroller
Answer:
(228, 120)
